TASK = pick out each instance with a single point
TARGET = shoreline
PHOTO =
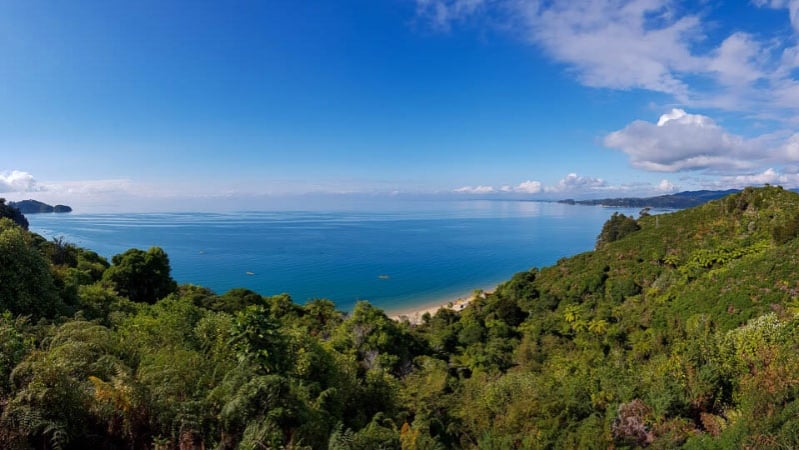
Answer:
(414, 313)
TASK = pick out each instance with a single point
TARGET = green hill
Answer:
(685, 199)
(679, 330)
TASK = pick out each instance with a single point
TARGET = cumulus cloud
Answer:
(573, 182)
(525, 187)
(666, 186)
(529, 187)
(17, 181)
(680, 141)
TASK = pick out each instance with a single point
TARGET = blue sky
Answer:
(262, 104)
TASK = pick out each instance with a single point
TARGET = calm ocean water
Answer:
(397, 259)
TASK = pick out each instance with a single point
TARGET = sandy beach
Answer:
(414, 314)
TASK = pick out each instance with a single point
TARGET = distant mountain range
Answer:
(35, 206)
(680, 200)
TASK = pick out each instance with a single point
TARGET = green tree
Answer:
(377, 341)
(14, 345)
(54, 394)
(616, 228)
(257, 336)
(26, 283)
(12, 213)
(141, 276)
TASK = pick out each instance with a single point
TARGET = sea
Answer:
(398, 258)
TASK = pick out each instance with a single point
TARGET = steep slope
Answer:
(678, 334)
(732, 247)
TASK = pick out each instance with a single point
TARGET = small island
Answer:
(35, 207)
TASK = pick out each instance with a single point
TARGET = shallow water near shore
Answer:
(398, 258)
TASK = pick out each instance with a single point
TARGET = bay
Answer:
(398, 256)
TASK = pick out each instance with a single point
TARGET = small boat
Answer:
(250, 273)
(383, 277)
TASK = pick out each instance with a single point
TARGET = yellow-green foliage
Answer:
(680, 330)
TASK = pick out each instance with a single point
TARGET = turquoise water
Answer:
(398, 258)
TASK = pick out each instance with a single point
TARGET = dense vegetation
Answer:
(12, 213)
(678, 331)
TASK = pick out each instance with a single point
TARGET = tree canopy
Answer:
(617, 227)
(12, 213)
(682, 333)
(141, 276)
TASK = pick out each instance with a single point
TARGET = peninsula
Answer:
(35, 206)
(680, 200)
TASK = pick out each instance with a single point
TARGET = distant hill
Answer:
(680, 200)
(35, 206)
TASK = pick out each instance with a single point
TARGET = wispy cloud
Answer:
(91, 187)
(571, 183)
(442, 13)
(791, 5)
(612, 44)
(654, 45)
(768, 176)
(476, 190)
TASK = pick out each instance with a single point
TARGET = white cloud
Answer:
(573, 185)
(768, 176)
(736, 61)
(17, 181)
(666, 186)
(525, 187)
(681, 141)
(476, 190)
(529, 187)
(656, 45)
(790, 149)
(573, 182)
(612, 43)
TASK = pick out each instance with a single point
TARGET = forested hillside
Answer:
(678, 330)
